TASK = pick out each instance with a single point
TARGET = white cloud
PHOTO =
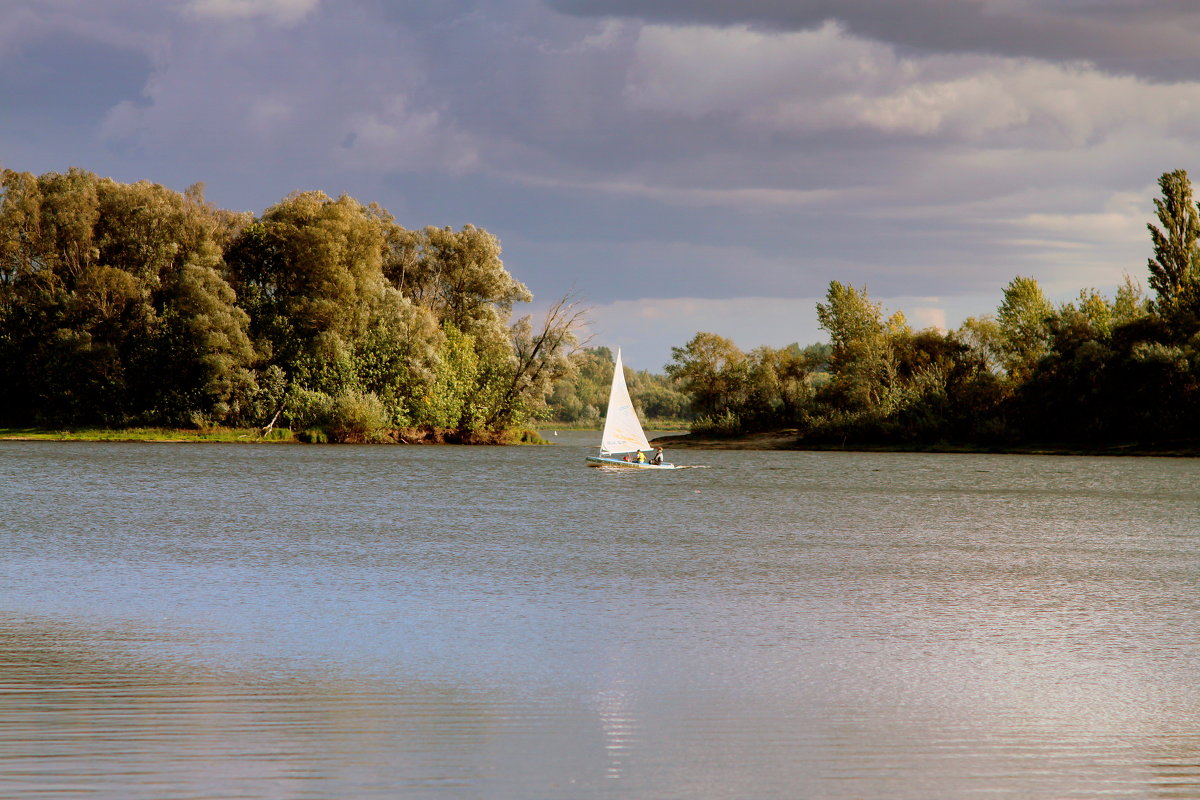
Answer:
(920, 317)
(401, 137)
(1157, 38)
(698, 70)
(284, 12)
(825, 80)
(696, 196)
(610, 35)
(1120, 221)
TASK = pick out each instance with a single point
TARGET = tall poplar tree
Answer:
(1176, 255)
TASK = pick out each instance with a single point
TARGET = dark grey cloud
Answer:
(70, 79)
(1159, 38)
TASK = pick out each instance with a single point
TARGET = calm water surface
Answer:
(227, 621)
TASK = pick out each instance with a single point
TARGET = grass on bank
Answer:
(148, 435)
(255, 435)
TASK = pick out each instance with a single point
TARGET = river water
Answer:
(232, 621)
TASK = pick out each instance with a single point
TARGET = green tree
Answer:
(114, 308)
(310, 264)
(982, 334)
(711, 370)
(540, 357)
(204, 336)
(1130, 303)
(448, 400)
(457, 274)
(862, 362)
(1173, 268)
(1024, 321)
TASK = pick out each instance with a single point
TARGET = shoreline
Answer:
(278, 436)
(786, 439)
(790, 439)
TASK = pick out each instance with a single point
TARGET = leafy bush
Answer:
(357, 417)
(726, 423)
(309, 409)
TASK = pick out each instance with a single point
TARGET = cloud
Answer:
(811, 82)
(1160, 38)
(284, 12)
(920, 317)
(334, 92)
(399, 137)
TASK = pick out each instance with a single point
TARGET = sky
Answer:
(675, 166)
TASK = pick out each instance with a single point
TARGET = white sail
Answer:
(622, 431)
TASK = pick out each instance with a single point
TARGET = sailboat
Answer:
(623, 432)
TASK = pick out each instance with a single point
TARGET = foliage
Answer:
(732, 390)
(124, 304)
(1024, 320)
(712, 370)
(356, 416)
(1092, 373)
(1176, 253)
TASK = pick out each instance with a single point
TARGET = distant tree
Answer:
(1023, 318)
(1130, 303)
(581, 394)
(778, 385)
(1097, 310)
(862, 362)
(982, 334)
(711, 369)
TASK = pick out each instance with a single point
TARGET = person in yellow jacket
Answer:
(641, 457)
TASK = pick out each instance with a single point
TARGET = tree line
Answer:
(1095, 372)
(132, 304)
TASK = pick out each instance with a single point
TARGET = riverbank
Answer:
(244, 435)
(275, 436)
(791, 439)
(785, 439)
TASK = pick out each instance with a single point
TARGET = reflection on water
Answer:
(76, 721)
(234, 621)
(614, 708)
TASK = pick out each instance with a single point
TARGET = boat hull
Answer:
(601, 461)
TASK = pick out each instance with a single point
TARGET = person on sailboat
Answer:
(658, 456)
(641, 457)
